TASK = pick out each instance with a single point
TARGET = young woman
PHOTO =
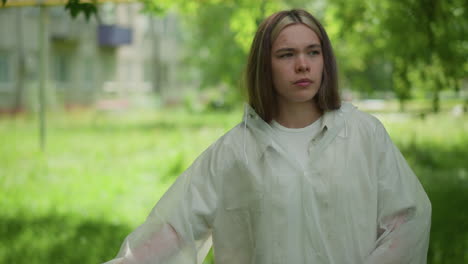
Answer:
(303, 179)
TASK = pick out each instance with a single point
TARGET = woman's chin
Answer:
(300, 99)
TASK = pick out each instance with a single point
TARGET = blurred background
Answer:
(103, 104)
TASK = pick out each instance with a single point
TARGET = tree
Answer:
(404, 46)
(218, 35)
(422, 38)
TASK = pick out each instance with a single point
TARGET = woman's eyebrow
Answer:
(311, 46)
(314, 46)
(284, 50)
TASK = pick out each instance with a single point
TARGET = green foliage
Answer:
(436, 148)
(58, 239)
(158, 7)
(380, 45)
(217, 54)
(221, 98)
(411, 47)
(423, 41)
(98, 179)
(219, 35)
(218, 42)
(75, 8)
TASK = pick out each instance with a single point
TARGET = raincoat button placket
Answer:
(319, 180)
(311, 164)
(277, 207)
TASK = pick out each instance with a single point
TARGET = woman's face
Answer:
(297, 64)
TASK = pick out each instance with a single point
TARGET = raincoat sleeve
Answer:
(178, 229)
(404, 210)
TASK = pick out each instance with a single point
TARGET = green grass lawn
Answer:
(101, 175)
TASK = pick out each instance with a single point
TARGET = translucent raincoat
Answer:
(356, 202)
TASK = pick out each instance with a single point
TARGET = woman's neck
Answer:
(297, 115)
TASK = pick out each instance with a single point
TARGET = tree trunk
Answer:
(436, 101)
(21, 70)
(402, 105)
(401, 84)
(436, 96)
(43, 73)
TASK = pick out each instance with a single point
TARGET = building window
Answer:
(4, 69)
(62, 68)
(88, 73)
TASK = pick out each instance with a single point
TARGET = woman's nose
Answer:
(302, 65)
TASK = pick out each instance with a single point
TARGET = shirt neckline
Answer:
(274, 124)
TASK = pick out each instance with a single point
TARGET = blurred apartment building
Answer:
(124, 55)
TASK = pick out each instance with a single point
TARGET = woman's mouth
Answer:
(303, 82)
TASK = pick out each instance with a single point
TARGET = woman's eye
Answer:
(314, 52)
(285, 55)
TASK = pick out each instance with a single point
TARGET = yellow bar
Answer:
(20, 3)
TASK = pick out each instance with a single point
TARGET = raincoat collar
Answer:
(334, 119)
(333, 123)
(330, 120)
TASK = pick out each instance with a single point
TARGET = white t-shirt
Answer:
(297, 140)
